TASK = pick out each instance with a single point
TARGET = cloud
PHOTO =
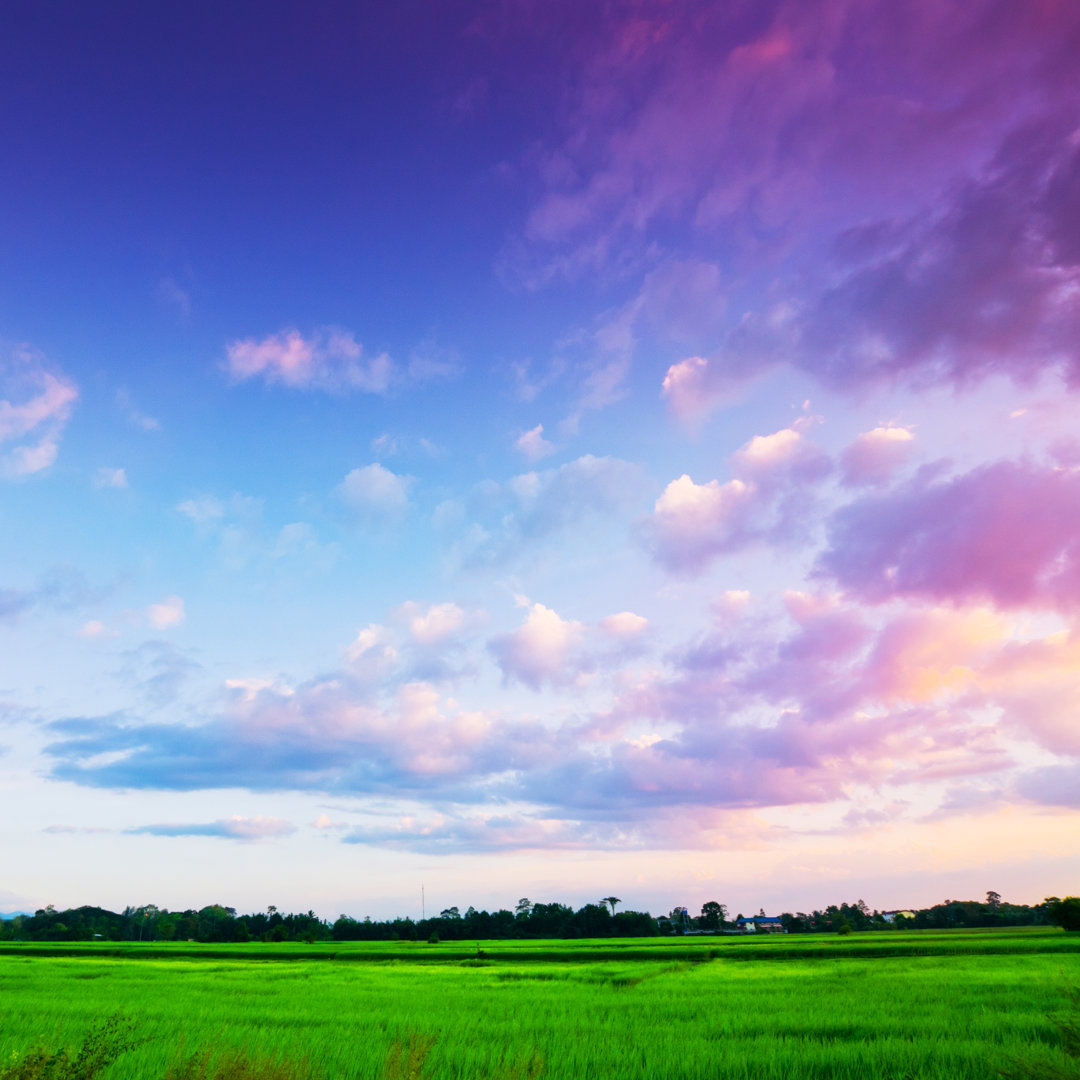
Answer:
(920, 159)
(134, 415)
(328, 735)
(874, 457)
(544, 649)
(61, 830)
(14, 603)
(166, 613)
(233, 828)
(374, 495)
(511, 519)
(730, 605)
(624, 624)
(158, 671)
(766, 498)
(688, 390)
(1005, 533)
(1052, 785)
(533, 444)
(62, 588)
(35, 406)
(824, 704)
(436, 625)
(329, 360)
(202, 509)
(110, 478)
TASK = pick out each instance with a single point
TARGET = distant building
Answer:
(680, 919)
(768, 923)
(890, 916)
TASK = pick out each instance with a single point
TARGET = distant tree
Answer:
(634, 924)
(523, 908)
(612, 900)
(450, 913)
(713, 915)
(1064, 912)
(993, 900)
(592, 920)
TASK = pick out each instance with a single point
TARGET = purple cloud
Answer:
(1006, 533)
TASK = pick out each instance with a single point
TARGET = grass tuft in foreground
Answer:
(103, 1044)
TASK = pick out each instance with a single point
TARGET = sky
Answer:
(539, 449)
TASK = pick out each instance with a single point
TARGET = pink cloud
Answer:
(832, 707)
(533, 444)
(1037, 686)
(920, 158)
(545, 649)
(328, 360)
(1007, 533)
(166, 613)
(624, 624)
(35, 406)
(875, 456)
(693, 523)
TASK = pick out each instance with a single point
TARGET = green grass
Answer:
(930, 1005)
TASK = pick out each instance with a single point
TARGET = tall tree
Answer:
(612, 900)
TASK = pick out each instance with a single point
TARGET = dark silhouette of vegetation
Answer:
(217, 923)
(1064, 913)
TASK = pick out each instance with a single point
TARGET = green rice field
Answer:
(902, 1005)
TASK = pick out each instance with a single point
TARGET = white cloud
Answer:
(202, 509)
(533, 444)
(439, 622)
(773, 478)
(110, 478)
(169, 612)
(374, 493)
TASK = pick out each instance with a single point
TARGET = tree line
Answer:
(217, 923)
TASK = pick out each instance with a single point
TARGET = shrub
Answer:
(104, 1043)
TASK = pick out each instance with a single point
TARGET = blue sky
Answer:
(534, 450)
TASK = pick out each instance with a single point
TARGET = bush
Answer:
(104, 1043)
